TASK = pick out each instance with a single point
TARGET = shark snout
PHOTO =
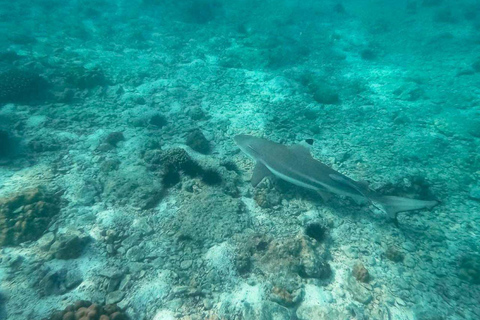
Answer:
(241, 139)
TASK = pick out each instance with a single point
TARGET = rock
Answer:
(135, 254)
(186, 264)
(46, 241)
(312, 267)
(59, 282)
(224, 219)
(317, 312)
(360, 273)
(196, 113)
(109, 165)
(68, 246)
(475, 192)
(73, 279)
(358, 292)
(197, 141)
(274, 311)
(114, 297)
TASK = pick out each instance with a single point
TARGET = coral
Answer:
(360, 273)
(83, 78)
(320, 91)
(368, 54)
(297, 255)
(476, 65)
(171, 163)
(197, 141)
(158, 120)
(267, 197)
(25, 216)
(287, 54)
(393, 254)
(19, 86)
(114, 138)
(316, 231)
(469, 268)
(86, 310)
(196, 113)
(445, 15)
(431, 3)
(9, 56)
(203, 11)
(211, 177)
(285, 297)
(5, 144)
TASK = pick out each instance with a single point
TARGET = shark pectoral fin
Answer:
(324, 195)
(259, 172)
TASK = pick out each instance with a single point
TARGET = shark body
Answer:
(296, 165)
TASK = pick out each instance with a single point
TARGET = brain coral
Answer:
(25, 216)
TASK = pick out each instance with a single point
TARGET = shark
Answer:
(296, 165)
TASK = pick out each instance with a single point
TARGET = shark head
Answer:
(250, 145)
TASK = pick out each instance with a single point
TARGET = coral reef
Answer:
(114, 138)
(5, 144)
(82, 78)
(86, 310)
(19, 86)
(25, 216)
(470, 268)
(125, 113)
(295, 257)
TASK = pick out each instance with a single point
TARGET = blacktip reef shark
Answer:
(296, 165)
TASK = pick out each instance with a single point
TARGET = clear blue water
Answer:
(123, 194)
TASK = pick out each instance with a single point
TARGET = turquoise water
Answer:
(123, 194)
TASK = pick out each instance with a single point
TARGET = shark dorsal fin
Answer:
(300, 150)
(259, 172)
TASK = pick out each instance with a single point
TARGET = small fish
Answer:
(296, 165)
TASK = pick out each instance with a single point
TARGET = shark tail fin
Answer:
(393, 205)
